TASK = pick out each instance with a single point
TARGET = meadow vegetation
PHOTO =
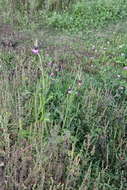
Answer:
(63, 95)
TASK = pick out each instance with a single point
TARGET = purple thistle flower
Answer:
(125, 68)
(35, 50)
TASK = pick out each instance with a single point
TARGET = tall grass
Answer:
(49, 5)
(84, 15)
(67, 15)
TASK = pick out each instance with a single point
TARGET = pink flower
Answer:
(35, 50)
(125, 68)
(50, 64)
(52, 74)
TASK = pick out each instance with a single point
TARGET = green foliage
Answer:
(93, 14)
(69, 15)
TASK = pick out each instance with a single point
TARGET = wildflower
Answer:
(69, 91)
(93, 47)
(118, 76)
(125, 68)
(122, 54)
(35, 50)
(52, 74)
(57, 69)
(50, 63)
(79, 82)
(120, 46)
(121, 88)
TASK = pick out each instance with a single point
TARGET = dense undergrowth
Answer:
(63, 105)
(89, 14)
(65, 15)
